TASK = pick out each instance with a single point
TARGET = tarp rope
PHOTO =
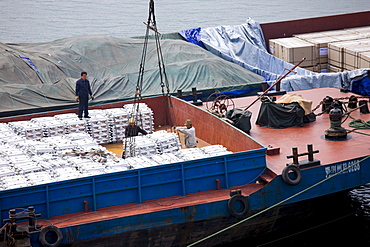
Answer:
(277, 204)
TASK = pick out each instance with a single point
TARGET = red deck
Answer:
(285, 139)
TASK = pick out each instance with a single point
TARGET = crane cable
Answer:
(151, 25)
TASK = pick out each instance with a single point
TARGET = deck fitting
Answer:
(304, 163)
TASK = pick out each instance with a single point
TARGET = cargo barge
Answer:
(178, 204)
(205, 202)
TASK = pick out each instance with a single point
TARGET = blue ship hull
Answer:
(183, 226)
(186, 225)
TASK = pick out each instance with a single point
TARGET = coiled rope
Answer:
(359, 124)
(277, 204)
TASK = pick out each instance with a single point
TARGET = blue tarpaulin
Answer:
(361, 86)
(192, 36)
(245, 45)
(31, 64)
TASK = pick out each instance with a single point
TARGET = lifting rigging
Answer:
(150, 25)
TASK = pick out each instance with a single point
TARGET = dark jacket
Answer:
(134, 131)
(83, 88)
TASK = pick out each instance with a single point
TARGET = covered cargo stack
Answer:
(363, 53)
(292, 50)
(321, 50)
(321, 40)
(336, 50)
(328, 48)
(364, 59)
(363, 31)
(343, 55)
(351, 55)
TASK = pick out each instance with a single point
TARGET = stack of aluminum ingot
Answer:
(41, 177)
(142, 114)
(113, 166)
(215, 150)
(50, 126)
(71, 123)
(191, 154)
(6, 133)
(117, 121)
(166, 142)
(105, 126)
(82, 140)
(15, 181)
(156, 143)
(16, 165)
(28, 129)
(60, 143)
(5, 169)
(139, 162)
(175, 156)
(10, 178)
(63, 147)
(66, 173)
(32, 162)
(97, 127)
(85, 167)
(166, 158)
(34, 147)
(139, 146)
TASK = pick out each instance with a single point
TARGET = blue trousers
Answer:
(83, 106)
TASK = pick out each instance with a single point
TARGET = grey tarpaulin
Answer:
(43, 75)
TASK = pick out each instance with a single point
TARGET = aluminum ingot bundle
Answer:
(191, 154)
(30, 130)
(117, 121)
(97, 127)
(166, 142)
(105, 126)
(215, 150)
(156, 143)
(139, 146)
(142, 114)
(49, 126)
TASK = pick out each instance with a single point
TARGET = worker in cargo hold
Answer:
(133, 130)
(189, 133)
(83, 92)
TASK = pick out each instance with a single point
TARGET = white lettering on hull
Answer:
(343, 168)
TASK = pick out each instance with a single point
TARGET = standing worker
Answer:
(83, 91)
(189, 132)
